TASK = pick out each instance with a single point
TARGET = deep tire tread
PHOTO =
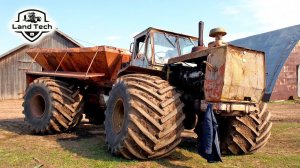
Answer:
(247, 133)
(66, 110)
(155, 118)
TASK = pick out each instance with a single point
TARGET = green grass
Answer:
(284, 102)
(283, 150)
(294, 101)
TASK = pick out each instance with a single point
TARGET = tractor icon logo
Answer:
(32, 24)
(30, 17)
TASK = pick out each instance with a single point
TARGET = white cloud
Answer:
(231, 10)
(276, 13)
(239, 35)
(267, 15)
(112, 38)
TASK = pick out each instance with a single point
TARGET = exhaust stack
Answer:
(200, 38)
(200, 29)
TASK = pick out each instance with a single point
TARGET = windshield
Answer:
(166, 46)
(186, 45)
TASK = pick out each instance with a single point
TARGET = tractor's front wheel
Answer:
(143, 118)
(52, 106)
(245, 134)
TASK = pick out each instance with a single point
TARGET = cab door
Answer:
(142, 52)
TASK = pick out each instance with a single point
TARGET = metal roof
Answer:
(68, 37)
(12, 50)
(25, 44)
(277, 45)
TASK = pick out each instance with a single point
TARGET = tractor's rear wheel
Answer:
(143, 118)
(52, 106)
(245, 134)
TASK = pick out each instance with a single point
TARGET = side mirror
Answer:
(131, 47)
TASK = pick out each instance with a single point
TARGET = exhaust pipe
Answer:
(200, 38)
(200, 29)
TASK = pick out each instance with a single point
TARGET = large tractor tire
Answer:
(52, 106)
(143, 118)
(245, 134)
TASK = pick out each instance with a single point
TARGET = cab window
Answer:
(165, 47)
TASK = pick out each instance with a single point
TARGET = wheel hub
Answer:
(37, 106)
(118, 116)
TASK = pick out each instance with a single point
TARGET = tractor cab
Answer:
(153, 47)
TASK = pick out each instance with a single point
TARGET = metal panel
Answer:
(287, 81)
(238, 75)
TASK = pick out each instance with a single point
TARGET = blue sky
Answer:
(115, 22)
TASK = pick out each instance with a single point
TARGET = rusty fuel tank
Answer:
(234, 74)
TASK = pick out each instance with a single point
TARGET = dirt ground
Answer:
(11, 109)
(77, 148)
(12, 120)
(284, 112)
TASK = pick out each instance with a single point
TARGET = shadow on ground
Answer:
(14, 125)
(88, 141)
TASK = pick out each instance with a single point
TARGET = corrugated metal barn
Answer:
(282, 48)
(14, 63)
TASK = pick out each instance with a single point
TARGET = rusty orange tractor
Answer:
(149, 96)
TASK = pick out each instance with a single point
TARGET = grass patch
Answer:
(283, 150)
(292, 101)
(284, 102)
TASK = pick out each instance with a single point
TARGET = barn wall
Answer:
(287, 81)
(12, 74)
(14, 66)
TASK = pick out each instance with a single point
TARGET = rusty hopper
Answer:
(98, 64)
